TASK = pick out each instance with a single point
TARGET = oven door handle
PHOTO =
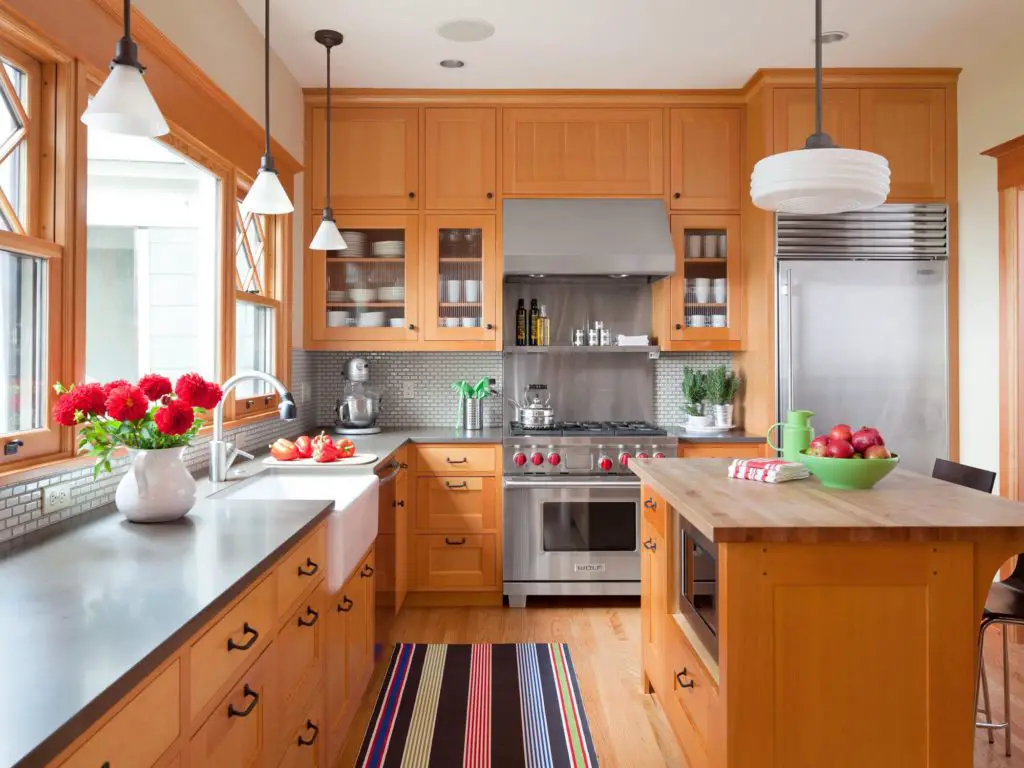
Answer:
(542, 485)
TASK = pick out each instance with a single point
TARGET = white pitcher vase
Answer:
(157, 488)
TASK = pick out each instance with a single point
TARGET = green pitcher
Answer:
(797, 434)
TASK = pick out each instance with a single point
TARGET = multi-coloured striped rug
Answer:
(479, 706)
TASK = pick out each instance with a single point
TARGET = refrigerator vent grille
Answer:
(887, 232)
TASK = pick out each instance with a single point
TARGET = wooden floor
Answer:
(628, 727)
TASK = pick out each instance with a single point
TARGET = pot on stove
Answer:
(535, 412)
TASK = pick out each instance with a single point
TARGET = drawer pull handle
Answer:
(400, 503)
(455, 486)
(451, 543)
(651, 503)
(313, 568)
(312, 621)
(311, 726)
(450, 460)
(232, 712)
(345, 605)
(248, 630)
(367, 571)
(649, 544)
(679, 679)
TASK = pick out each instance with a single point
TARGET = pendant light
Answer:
(266, 195)
(123, 103)
(327, 237)
(820, 178)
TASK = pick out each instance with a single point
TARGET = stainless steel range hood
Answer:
(587, 237)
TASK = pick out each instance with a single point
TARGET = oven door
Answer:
(571, 529)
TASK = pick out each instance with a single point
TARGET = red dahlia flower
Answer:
(64, 411)
(211, 395)
(191, 387)
(110, 386)
(175, 418)
(127, 403)
(155, 386)
(90, 399)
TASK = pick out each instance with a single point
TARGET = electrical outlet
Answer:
(304, 393)
(57, 497)
(408, 390)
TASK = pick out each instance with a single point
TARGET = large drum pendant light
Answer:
(327, 237)
(820, 178)
(123, 103)
(267, 195)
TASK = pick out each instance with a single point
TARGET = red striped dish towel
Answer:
(767, 470)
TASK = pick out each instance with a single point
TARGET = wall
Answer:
(991, 111)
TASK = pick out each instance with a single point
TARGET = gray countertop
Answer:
(732, 436)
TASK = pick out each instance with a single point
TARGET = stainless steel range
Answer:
(572, 507)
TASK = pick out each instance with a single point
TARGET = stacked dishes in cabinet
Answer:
(460, 277)
(705, 283)
(366, 284)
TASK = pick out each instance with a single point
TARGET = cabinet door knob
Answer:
(412, 327)
(679, 326)
(490, 195)
(677, 195)
(490, 326)
(412, 195)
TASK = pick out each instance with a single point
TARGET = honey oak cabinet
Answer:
(462, 281)
(700, 306)
(907, 126)
(374, 158)
(705, 159)
(461, 158)
(583, 151)
(794, 117)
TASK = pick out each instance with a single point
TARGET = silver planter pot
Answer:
(723, 415)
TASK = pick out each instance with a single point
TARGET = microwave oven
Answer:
(698, 584)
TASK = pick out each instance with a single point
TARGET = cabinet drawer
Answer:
(141, 732)
(655, 510)
(681, 669)
(301, 568)
(456, 504)
(455, 458)
(230, 644)
(301, 647)
(306, 737)
(722, 451)
(455, 561)
(240, 730)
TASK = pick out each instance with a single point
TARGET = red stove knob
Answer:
(605, 463)
(554, 459)
(519, 459)
(659, 455)
(642, 455)
(624, 458)
(537, 459)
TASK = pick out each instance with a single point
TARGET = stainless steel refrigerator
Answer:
(862, 324)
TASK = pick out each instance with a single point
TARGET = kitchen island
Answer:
(845, 622)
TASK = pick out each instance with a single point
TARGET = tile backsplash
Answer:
(668, 381)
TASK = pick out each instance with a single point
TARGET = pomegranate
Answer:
(865, 437)
(817, 449)
(877, 452)
(821, 440)
(841, 432)
(840, 449)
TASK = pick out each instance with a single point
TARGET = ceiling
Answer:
(626, 43)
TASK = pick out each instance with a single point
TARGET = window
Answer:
(257, 307)
(152, 261)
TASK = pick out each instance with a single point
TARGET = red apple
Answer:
(821, 440)
(840, 449)
(877, 452)
(865, 437)
(841, 432)
(817, 449)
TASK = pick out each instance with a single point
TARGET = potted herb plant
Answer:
(695, 388)
(722, 386)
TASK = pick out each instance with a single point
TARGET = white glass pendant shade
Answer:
(820, 181)
(267, 195)
(124, 104)
(327, 237)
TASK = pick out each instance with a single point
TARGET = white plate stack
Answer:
(391, 293)
(389, 248)
(335, 297)
(370, 320)
(356, 242)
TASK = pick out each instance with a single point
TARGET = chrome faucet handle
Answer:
(240, 452)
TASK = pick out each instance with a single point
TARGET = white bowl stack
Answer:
(362, 295)
(370, 320)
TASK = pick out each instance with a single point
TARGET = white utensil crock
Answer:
(157, 488)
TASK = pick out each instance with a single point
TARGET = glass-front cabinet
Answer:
(368, 292)
(461, 281)
(705, 305)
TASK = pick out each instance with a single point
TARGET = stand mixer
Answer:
(359, 405)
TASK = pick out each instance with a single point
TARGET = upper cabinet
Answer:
(461, 285)
(461, 159)
(583, 151)
(794, 117)
(374, 158)
(907, 126)
(705, 159)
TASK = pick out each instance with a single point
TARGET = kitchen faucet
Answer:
(222, 452)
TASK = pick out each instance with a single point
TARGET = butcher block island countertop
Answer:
(846, 622)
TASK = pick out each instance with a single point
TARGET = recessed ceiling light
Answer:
(466, 30)
(453, 64)
(835, 36)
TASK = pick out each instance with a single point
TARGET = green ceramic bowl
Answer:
(849, 474)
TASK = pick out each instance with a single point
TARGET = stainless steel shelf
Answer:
(572, 350)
